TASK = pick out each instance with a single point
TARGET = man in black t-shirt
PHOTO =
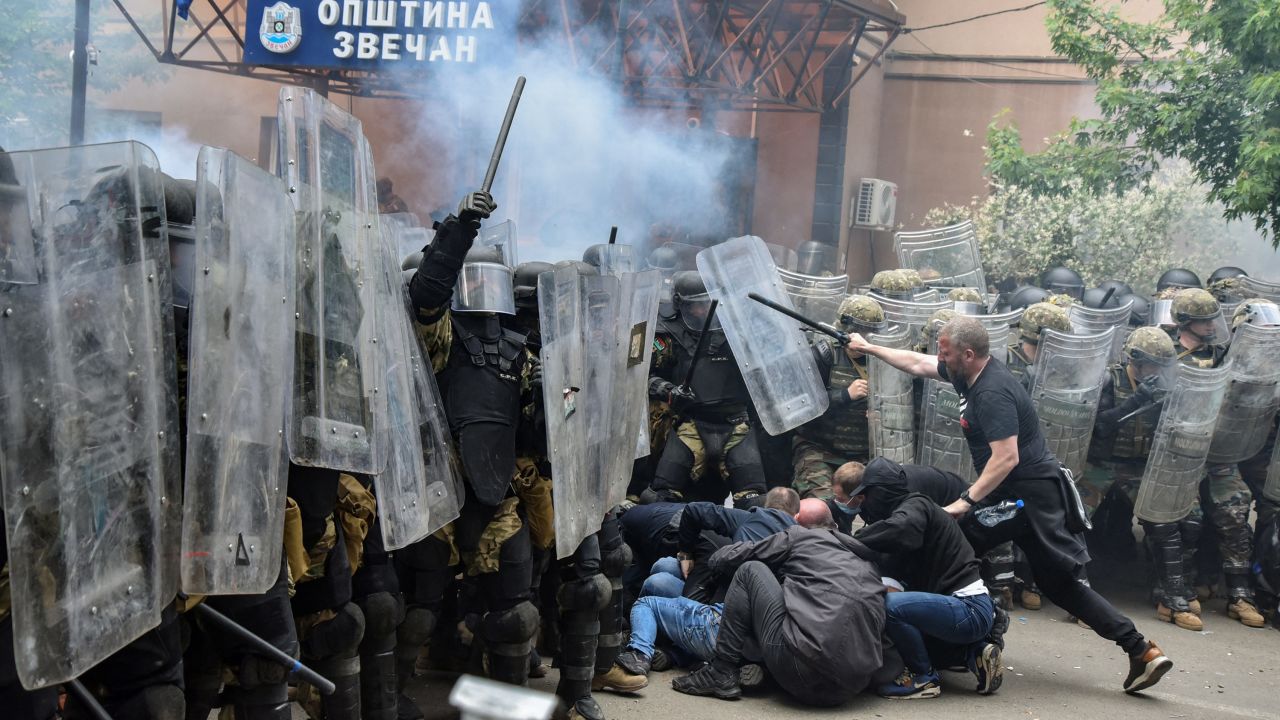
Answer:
(1012, 461)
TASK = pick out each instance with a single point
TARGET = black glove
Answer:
(432, 286)
(535, 376)
(680, 398)
(1150, 390)
(475, 207)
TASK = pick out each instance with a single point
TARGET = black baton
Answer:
(502, 135)
(703, 340)
(821, 327)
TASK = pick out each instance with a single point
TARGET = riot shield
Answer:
(891, 412)
(1176, 463)
(686, 255)
(1090, 321)
(1257, 287)
(1250, 403)
(910, 314)
(617, 259)
(945, 257)
(1069, 372)
(401, 487)
(444, 489)
(578, 317)
(941, 442)
(89, 424)
(813, 296)
(501, 237)
(1271, 490)
(241, 356)
(337, 419)
(999, 328)
(776, 363)
(784, 258)
(411, 237)
(638, 315)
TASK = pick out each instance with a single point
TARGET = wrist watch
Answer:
(965, 497)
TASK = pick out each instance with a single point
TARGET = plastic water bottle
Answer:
(996, 514)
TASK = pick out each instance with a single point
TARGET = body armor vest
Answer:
(1133, 438)
(716, 381)
(842, 429)
(481, 380)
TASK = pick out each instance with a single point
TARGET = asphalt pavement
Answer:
(1053, 669)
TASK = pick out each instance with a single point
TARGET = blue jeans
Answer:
(691, 626)
(665, 579)
(909, 616)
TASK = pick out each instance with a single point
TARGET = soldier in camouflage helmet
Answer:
(914, 277)
(966, 294)
(1255, 311)
(893, 284)
(1022, 359)
(1062, 300)
(1128, 413)
(929, 333)
(1022, 350)
(1227, 290)
(1200, 339)
(840, 435)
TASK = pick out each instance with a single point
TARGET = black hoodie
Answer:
(921, 546)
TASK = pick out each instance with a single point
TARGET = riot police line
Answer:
(375, 464)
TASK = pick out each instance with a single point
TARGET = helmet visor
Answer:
(1162, 313)
(693, 311)
(484, 288)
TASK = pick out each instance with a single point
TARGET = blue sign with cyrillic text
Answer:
(378, 34)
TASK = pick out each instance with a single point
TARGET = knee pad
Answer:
(1161, 532)
(340, 636)
(747, 499)
(617, 560)
(256, 672)
(589, 595)
(157, 702)
(511, 626)
(383, 613)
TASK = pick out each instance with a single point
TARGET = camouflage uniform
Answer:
(841, 434)
(1225, 497)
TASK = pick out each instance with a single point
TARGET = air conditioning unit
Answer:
(875, 205)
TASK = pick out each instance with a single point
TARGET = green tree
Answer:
(1077, 157)
(35, 67)
(1201, 83)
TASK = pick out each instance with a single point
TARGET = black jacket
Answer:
(834, 600)
(940, 486)
(922, 547)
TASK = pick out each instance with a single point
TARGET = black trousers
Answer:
(751, 630)
(1067, 590)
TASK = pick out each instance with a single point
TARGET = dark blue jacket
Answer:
(757, 523)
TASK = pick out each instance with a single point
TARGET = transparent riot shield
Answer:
(813, 296)
(638, 315)
(999, 328)
(784, 258)
(1069, 373)
(578, 320)
(411, 237)
(686, 255)
(941, 441)
(1256, 287)
(1250, 403)
(240, 357)
(1090, 321)
(444, 490)
(401, 487)
(501, 237)
(911, 314)
(88, 411)
(605, 396)
(1271, 490)
(945, 257)
(324, 157)
(616, 259)
(891, 413)
(1175, 465)
(776, 363)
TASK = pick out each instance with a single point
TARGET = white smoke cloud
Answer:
(581, 156)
